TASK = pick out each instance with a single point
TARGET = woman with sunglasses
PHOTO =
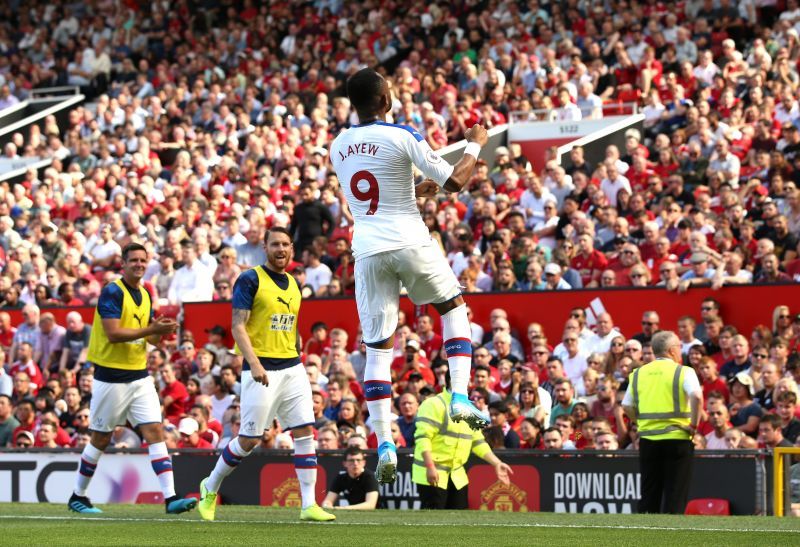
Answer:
(534, 402)
(616, 352)
(782, 323)
(640, 276)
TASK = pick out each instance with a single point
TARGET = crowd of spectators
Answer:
(207, 122)
(541, 393)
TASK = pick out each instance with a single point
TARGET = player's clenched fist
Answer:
(477, 133)
(426, 189)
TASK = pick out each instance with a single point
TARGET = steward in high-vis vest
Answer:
(664, 399)
(441, 449)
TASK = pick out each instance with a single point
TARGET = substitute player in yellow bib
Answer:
(664, 399)
(442, 447)
(122, 390)
(266, 303)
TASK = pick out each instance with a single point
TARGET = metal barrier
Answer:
(548, 114)
(36, 110)
(16, 175)
(58, 91)
(595, 143)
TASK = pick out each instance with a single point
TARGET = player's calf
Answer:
(458, 347)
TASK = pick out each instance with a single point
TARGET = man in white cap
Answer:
(700, 274)
(553, 279)
(745, 414)
(190, 436)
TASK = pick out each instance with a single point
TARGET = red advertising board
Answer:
(279, 486)
(521, 495)
(744, 307)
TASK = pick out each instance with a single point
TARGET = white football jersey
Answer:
(374, 166)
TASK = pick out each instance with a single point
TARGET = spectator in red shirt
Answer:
(190, 438)
(46, 437)
(201, 416)
(66, 296)
(428, 339)
(710, 379)
(606, 406)
(639, 173)
(204, 402)
(414, 363)
(174, 395)
(651, 235)
(26, 416)
(26, 364)
(628, 257)
(319, 341)
(659, 256)
(6, 331)
(589, 262)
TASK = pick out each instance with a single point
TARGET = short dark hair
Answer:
(277, 230)
(787, 398)
(560, 381)
(28, 402)
(365, 89)
(203, 409)
(482, 391)
(353, 451)
(568, 418)
(131, 247)
(499, 406)
(772, 419)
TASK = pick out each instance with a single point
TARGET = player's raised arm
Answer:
(433, 166)
(477, 137)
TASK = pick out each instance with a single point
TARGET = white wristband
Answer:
(473, 149)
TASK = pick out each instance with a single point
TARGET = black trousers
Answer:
(666, 468)
(433, 497)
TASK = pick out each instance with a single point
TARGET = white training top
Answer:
(374, 166)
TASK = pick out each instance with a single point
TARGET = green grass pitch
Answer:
(39, 524)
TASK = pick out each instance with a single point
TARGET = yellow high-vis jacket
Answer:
(450, 443)
(662, 407)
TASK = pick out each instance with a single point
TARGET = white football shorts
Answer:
(287, 397)
(114, 403)
(422, 270)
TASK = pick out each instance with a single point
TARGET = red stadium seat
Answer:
(709, 506)
(152, 498)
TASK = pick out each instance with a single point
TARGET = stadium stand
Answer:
(204, 117)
